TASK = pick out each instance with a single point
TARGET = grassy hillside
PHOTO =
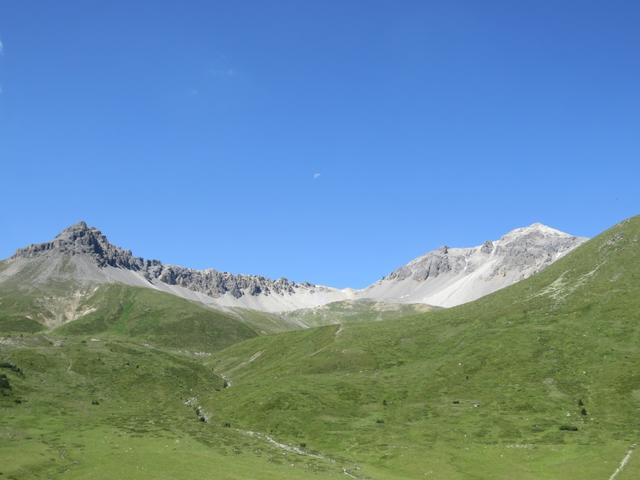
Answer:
(110, 409)
(345, 311)
(66, 307)
(19, 312)
(536, 381)
(29, 305)
(158, 318)
(265, 323)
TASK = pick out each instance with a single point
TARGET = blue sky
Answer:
(325, 141)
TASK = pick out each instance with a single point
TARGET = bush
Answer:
(4, 382)
(13, 367)
(568, 428)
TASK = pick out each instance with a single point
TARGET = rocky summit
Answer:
(451, 276)
(444, 277)
(82, 239)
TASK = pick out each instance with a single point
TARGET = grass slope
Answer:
(111, 409)
(345, 311)
(30, 307)
(536, 381)
(158, 318)
(116, 310)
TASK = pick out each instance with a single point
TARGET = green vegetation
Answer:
(33, 300)
(347, 311)
(537, 381)
(265, 323)
(85, 409)
(28, 310)
(158, 318)
(454, 390)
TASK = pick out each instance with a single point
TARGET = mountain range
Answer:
(102, 378)
(82, 257)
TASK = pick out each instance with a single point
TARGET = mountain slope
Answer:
(451, 276)
(537, 380)
(111, 409)
(164, 320)
(348, 311)
(81, 258)
(84, 255)
(49, 295)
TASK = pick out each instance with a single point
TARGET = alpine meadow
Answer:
(319, 240)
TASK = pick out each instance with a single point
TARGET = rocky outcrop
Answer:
(447, 277)
(81, 239)
(525, 249)
(444, 277)
(434, 264)
(215, 283)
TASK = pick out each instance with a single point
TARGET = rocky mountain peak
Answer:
(534, 230)
(82, 239)
(80, 228)
(445, 276)
(527, 249)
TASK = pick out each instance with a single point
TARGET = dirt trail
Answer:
(623, 463)
(296, 450)
(283, 446)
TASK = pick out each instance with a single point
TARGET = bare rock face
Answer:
(533, 247)
(444, 277)
(487, 247)
(214, 283)
(450, 276)
(434, 264)
(81, 239)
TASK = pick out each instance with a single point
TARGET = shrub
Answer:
(568, 428)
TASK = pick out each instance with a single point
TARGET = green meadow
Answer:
(540, 380)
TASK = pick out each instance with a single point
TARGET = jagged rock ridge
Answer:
(444, 277)
(81, 239)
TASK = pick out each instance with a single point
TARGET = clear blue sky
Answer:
(328, 141)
